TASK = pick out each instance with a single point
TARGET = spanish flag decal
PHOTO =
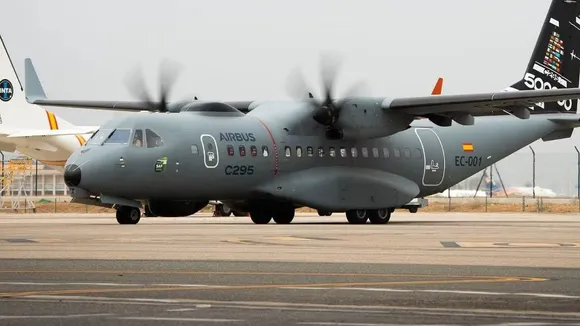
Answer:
(467, 147)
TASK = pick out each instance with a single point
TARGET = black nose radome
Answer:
(72, 175)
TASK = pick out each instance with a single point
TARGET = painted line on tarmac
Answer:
(484, 293)
(257, 273)
(252, 287)
(484, 244)
(320, 307)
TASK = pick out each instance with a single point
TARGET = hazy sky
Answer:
(242, 50)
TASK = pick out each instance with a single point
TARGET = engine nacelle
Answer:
(175, 208)
(364, 118)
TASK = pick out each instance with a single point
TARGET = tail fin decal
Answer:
(52, 123)
(11, 89)
(555, 62)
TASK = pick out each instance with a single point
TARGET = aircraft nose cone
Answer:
(72, 175)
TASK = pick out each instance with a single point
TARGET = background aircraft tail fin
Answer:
(11, 90)
(555, 62)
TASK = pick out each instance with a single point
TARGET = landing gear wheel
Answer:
(324, 213)
(413, 210)
(284, 215)
(357, 216)
(223, 210)
(260, 216)
(380, 216)
(128, 215)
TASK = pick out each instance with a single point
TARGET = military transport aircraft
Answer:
(359, 155)
(42, 135)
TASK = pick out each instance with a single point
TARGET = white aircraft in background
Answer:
(29, 128)
(497, 191)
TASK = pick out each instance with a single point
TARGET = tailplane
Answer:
(555, 62)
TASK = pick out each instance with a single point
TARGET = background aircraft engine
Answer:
(175, 208)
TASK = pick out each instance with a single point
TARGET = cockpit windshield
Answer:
(119, 136)
(99, 136)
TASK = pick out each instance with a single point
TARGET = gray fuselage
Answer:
(218, 155)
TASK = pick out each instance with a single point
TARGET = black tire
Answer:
(413, 210)
(284, 216)
(380, 216)
(128, 215)
(260, 216)
(357, 216)
(223, 209)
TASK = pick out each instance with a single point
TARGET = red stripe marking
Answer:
(275, 147)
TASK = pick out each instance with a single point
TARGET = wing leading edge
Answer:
(479, 103)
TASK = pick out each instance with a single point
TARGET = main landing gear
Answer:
(281, 213)
(376, 216)
(128, 215)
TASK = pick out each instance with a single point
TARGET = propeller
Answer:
(326, 110)
(168, 73)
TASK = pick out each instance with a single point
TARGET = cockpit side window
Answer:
(98, 137)
(153, 139)
(119, 136)
(138, 138)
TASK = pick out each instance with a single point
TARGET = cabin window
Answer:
(375, 152)
(365, 152)
(242, 150)
(310, 151)
(230, 150)
(407, 153)
(265, 151)
(138, 138)
(386, 152)
(354, 152)
(288, 151)
(153, 139)
(321, 151)
(253, 150)
(332, 152)
(397, 152)
(343, 152)
(194, 150)
(119, 136)
(418, 153)
(298, 151)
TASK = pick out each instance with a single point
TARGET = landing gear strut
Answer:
(128, 215)
(376, 216)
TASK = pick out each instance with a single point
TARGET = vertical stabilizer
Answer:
(555, 62)
(11, 90)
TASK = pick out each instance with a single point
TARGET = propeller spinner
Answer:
(169, 71)
(326, 111)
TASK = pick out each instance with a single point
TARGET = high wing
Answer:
(478, 104)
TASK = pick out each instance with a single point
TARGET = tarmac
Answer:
(424, 268)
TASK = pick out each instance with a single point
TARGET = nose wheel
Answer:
(376, 216)
(128, 215)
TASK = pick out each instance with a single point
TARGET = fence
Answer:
(557, 171)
